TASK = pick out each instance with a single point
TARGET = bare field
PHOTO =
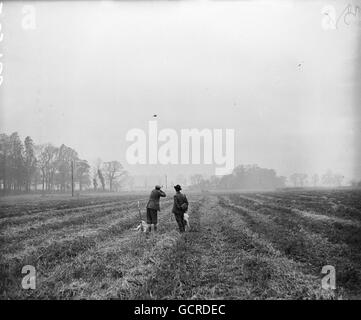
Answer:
(255, 245)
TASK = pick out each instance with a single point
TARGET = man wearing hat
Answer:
(153, 207)
(180, 206)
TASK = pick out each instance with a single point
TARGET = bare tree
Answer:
(328, 178)
(101, 178)
(338, 178)
(113, 171)
(5, 161)
(294, 179)
(66, 156)
(95, 184)
(98, 165)
(30, 162)
(47, 164)
(302, 178)
(298, 179)
(16, 164)
(82, 173)
(315, 179)
(94, 178)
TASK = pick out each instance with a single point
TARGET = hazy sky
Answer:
(91, 71)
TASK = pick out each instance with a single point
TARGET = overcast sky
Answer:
(91, 71)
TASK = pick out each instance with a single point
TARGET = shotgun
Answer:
(140, 217)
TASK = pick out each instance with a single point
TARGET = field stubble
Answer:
(240, 246)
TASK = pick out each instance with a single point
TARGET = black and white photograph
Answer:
(187, 150)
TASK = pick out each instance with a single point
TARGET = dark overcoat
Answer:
(154, 197)
(179, 199)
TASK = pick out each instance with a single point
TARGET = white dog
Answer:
(186, 219)
(141, 225)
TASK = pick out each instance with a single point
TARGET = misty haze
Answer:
(180, 149)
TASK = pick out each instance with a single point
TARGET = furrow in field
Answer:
(60, 213)
(111, 254)
(172, 275)
(32, 207)
(338, 207)
(255, 201)
(321, 217)
(89, 225)
(266, 272)
(127, 220)
(61, 220)
(267, 218)
(18, 245)
(222, 259)
(336, 230)
(290, 236)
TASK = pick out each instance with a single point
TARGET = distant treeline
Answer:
(242, 177)
(329, 179)
(255, 177)
(25, 167)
